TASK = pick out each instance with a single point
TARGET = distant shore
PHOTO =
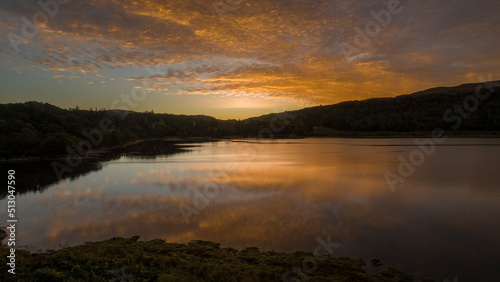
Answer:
(329, 132)
(99, 153)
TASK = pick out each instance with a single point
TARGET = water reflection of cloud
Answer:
(255, 202)
(165, 178)
(312, 183)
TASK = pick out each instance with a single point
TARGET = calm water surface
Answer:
(442, 222)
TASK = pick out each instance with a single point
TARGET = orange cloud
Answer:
(286, 49)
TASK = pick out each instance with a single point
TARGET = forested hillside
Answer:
(447, 108)
(41, 129)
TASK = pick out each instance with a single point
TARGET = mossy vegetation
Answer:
(127, 259)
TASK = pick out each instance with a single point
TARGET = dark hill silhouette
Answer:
(420, 111)
(41, 129)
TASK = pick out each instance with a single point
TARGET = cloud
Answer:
(285, 49)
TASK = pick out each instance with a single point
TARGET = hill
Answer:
(41, 129)
(456, 108)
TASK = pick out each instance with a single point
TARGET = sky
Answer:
(240, 58)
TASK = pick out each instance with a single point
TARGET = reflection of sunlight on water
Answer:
(284, 198)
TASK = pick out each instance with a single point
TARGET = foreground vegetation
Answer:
(126, 259)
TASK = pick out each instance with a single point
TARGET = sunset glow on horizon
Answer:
(238, 59)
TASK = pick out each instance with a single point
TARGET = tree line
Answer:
(41, 129)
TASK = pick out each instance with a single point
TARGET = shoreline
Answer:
(98, 154)
(130, 259)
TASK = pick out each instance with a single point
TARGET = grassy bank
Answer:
(126, 259)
